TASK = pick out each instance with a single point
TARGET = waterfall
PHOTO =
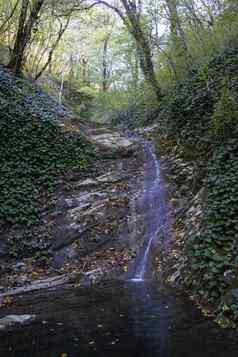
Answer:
(154, 204)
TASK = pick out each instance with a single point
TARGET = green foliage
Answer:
(213, 251)
(204, 41)
(34, 151)
(225, 116)
(132, 108)
(79, 98)
(186, 113)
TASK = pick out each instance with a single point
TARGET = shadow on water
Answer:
(136, 318)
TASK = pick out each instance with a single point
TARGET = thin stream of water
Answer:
(154, 204)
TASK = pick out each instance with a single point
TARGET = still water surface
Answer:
(118, 319)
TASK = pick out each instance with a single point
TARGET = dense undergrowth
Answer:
(186, 113)
(34, 150)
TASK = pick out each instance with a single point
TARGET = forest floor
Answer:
(91, 222)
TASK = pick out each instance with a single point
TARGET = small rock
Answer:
(20, 266)
(229, 276)
(11, 320)
(115, 341)
(70, 203)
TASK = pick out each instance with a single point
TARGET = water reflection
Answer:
(149, 320)
(117, 320)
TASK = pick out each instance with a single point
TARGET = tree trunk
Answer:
(8, 19)
(177, 33)
(145, 55)
(52, 50)
(105, 70)
(145, 58)
(25, 26)
(131, 19)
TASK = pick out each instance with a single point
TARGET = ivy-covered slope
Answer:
(200, 117)
(211, 271)
(186, 113)
(34, 150)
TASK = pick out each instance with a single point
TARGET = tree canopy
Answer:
(111, 46)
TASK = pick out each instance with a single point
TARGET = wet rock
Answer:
(92, 276)
(87, 182)
(112, 177)
(12, 320)
(229, 277)
(112, 141)
(71, 203)
(20, 266)
(79, 206)
(148, 131)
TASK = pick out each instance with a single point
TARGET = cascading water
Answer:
(152, 202)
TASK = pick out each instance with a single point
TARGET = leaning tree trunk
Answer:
(51, 53)
(25, 26)
(18, 50)
(145, 55)
(7, 21)
(147, 66)
(179, 41)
